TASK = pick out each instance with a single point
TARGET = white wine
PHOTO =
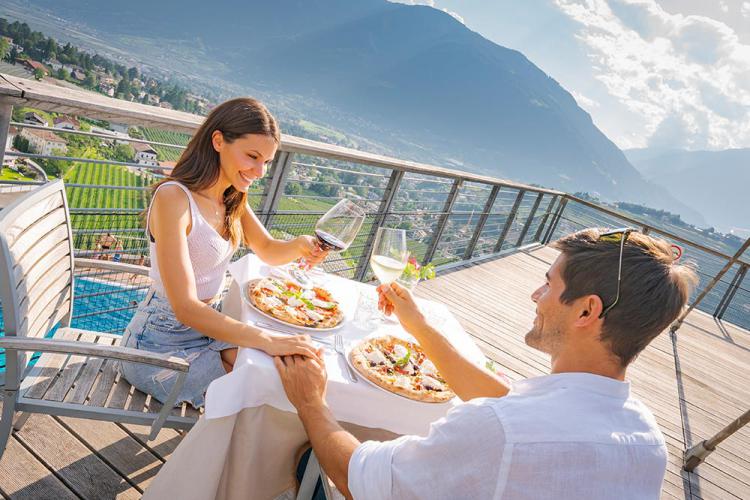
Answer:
(387, 269)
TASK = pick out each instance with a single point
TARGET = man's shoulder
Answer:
(570, 416)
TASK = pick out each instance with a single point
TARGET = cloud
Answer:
(686, 77)
(745, 9)
(583, 101)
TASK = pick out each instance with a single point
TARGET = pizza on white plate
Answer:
(400, 367)
(286, 301)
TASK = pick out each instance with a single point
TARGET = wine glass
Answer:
(335, 231)
(389, 256)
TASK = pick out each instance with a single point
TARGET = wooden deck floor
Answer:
(59, 458)
(692, 398)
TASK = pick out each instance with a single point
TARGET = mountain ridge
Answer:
(410, 77)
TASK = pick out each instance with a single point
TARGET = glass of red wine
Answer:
(335, 231)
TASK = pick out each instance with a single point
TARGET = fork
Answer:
(338, 345)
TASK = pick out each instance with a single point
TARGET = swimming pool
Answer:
(99, 306)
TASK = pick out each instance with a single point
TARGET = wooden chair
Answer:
(76, 374)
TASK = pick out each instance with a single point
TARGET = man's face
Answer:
(552, 316)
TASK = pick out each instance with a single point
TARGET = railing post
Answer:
(482, 221)
(545, 217)
(509, 221)
(275, 187)
(729, 294)
(678, 322)
(532, 213)
(385, 206)
(447, 209)
(698, 453)
(555, 221)
(6, 113)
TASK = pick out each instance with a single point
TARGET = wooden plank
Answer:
(137, 400)
(120, 393)
(103, 385)
(23, 477)
(73, 367)
(120, 450)
(82, 471)
(88, 376)
(164, 444)
(42, 375)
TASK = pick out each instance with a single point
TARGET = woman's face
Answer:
(245, 159)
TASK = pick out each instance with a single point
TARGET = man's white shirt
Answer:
(569, 435)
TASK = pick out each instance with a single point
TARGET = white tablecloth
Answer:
(254, 381)
(244, 446)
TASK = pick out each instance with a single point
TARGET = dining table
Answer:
(246, 442)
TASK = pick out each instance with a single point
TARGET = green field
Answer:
(166, 153)
(107, 175)
(7, 174)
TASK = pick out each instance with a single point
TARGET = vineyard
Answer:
(106, 175)
(165, 153)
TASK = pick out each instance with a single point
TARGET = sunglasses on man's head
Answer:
(617, 236)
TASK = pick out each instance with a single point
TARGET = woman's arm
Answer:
(276, 252)
(169, 224)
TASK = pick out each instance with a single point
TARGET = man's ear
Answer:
(589, 308)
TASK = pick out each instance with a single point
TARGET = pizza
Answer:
(400, 367)
(288, 302)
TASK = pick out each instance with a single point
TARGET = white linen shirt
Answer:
(568, 435)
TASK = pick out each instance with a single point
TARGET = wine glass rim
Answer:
(352, 205)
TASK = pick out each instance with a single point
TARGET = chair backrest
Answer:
(36, 263)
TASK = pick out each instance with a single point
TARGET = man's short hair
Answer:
(653, 290)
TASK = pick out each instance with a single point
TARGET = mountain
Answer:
(715, 182)
(411, 78)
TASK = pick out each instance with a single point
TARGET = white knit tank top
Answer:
(209, 252)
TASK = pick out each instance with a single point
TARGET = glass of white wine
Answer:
(389, 255)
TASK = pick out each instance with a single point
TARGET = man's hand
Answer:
(395, 299)
(303, 378)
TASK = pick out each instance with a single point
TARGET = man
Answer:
(577, 433)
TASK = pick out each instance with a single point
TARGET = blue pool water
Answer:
(91, 298)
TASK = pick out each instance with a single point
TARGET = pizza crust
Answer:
(407, 386)
(259, 290)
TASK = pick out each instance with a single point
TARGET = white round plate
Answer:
(308, 329)
(348, 350)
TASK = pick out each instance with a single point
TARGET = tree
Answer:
(90, 81)
(50, 49)
(38, 74)
(132, 73)
(4, 48)
(62, 73)
(122, 152)
(21, 143)
(293, 188)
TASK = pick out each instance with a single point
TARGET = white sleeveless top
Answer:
(209, 252)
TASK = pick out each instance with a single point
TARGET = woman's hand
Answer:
(287, 345)
(393, 298)
(310, 250)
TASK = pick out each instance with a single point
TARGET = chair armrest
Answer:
(111, 266)
(97, 350)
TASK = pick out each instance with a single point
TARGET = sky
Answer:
(666, 74)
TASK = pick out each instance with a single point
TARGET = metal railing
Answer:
(451, 217)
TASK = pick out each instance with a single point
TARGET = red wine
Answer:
(329, 242)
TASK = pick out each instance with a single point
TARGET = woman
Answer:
(196, 220)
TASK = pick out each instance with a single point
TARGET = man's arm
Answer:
(467, 380)
(304, 381)
(333, 445)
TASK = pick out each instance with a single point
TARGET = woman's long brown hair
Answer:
(198, 167)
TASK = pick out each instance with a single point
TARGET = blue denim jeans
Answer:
(155, 328)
